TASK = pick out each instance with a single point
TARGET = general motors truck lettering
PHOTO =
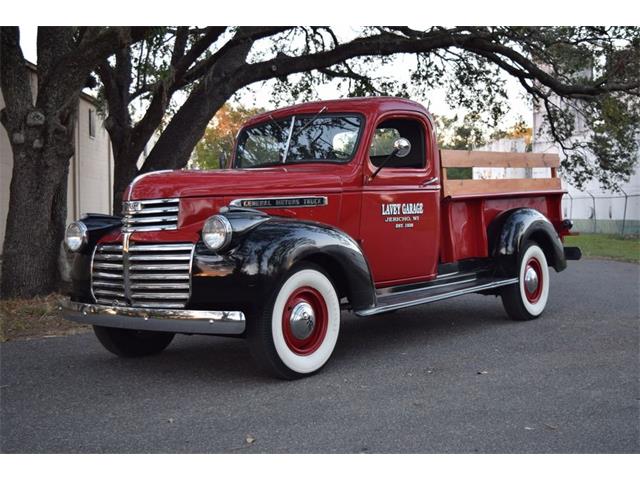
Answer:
(323, 207)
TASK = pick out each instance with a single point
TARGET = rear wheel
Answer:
(295, 333)
(527, 299)
(132, 343)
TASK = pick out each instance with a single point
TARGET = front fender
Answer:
(98, 225)
(509, 232)
(247, 274)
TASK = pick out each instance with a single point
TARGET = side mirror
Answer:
(222, 160)
(402, 147)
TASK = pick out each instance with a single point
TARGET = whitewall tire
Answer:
(528, 298)
(297, 331)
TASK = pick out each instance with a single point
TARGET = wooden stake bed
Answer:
(468, 159)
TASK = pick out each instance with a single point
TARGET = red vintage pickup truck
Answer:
(322, 207)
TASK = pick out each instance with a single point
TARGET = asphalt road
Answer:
(403, 382)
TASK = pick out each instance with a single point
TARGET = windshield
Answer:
(299, 139)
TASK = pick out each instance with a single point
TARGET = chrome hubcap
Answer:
(302, 321)
(531, 279)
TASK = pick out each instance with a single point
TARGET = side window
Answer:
(387, 133)
(382, 144)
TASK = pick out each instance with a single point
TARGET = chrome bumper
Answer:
(157, 319)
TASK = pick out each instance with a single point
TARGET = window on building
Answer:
(92, 123)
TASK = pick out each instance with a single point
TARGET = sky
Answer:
(435, 99)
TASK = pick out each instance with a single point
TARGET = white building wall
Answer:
(93, 163)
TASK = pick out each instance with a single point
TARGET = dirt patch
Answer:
(36, 317)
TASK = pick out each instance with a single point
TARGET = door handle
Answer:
(431, 181)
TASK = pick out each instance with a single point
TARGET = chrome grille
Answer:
(148, 275)
(150, 215)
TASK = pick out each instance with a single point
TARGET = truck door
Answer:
(401, 205)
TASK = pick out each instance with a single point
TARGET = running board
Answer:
(420, 296)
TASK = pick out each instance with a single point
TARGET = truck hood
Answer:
(257, 181)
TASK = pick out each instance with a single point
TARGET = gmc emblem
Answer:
(131, 207)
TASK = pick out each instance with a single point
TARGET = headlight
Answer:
(76, 236)
(216, 232)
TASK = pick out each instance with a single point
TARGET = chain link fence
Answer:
(617, 214)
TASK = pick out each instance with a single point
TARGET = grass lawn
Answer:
(599, 245)
(37, 317)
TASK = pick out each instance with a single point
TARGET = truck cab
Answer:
(349, 140)
(323, 207)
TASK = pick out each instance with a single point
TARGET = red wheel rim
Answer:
(311, 343)
(534, 296)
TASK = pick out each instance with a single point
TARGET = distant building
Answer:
(91, 168)
(509, 144)
(593, 208)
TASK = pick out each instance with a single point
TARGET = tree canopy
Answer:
(586, 73)
(219, 135)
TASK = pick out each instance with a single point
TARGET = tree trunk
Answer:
(124, 171)
(35, 222)
(188, 125)
(40, 128)
(185, 130)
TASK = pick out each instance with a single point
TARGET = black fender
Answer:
(510, 230)
(97, 225)
(247, 274)
(243, 220)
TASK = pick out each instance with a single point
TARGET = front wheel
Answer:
(132, 343)
(527, 299)
(295, 333)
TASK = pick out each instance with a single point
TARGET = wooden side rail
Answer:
(468, 159)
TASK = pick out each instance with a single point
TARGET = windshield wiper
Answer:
(297, 132)
(306, 125)
(275, 124)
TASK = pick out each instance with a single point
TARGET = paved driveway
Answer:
(456, 376)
